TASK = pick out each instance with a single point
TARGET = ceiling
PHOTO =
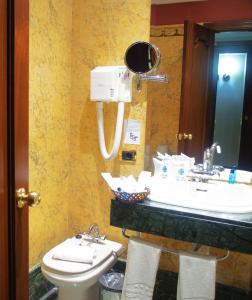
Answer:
(172, 1)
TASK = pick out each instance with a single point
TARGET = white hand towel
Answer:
(196, 277)
(74, 253)
(142, 264)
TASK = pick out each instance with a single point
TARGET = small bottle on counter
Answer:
(232, 176)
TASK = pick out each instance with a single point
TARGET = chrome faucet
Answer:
(209, 157)
(93, 230)
(94, 233)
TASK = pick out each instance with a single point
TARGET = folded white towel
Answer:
(74, 253)
(142, 264)
(196, 277)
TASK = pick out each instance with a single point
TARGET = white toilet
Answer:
(79, 280)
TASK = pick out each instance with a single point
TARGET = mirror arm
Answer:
(138, 82)
(158, 78)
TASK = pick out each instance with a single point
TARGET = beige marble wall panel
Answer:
(102, 30)
(164, 100)
(49, 122)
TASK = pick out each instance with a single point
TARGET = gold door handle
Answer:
(32, 198)
(184, 136)
(187, 136)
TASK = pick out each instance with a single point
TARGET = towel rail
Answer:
(176, 252)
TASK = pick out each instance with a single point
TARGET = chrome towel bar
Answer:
(176, 252)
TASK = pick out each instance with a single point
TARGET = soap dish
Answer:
(131, 197)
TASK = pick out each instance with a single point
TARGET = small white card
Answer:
(132, 132)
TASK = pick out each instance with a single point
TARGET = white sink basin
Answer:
(212, 196)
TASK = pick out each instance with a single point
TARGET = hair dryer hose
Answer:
(118, 130)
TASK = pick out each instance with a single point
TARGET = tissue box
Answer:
(173, 167)
(131, 197)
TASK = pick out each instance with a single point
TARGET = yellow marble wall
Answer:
(49, 122)
(102, 30)
(67, 40)
(164, 101)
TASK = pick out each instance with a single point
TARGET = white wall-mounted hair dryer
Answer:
(110, 84)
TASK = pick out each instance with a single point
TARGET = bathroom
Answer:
(66, 40)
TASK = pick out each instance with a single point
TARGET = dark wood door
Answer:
(4, 247)
(19, 142)
(13, 148)
(196, 115)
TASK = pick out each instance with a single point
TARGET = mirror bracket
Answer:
(157, 78)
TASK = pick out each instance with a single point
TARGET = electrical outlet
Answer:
(129, 155)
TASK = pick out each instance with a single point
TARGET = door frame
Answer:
(4, 247)
(14, 56)
(234, 25)
(18, 137)
(195, 100)
(235, 47)
(237, 25)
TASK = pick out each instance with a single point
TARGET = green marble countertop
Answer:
(221, 230)
(239, 219)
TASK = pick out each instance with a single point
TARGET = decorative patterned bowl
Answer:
(131, 197)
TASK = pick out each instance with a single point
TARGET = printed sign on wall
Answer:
(132, 132)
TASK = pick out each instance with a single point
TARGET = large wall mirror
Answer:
(225, 114)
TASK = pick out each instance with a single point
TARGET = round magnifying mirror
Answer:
(142, 57)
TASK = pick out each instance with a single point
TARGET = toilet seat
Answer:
(102, 252)
(70, 267)
(78, 280)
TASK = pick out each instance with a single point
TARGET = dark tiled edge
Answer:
(184, 227)
(166, 287)
(39, 287)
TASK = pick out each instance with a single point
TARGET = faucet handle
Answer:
(102, 237)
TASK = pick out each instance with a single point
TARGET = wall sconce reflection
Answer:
(226, 77)
(228, 64)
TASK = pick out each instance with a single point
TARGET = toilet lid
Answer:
(93, 255)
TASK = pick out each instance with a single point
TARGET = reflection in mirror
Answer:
(164, 102)
(143, 58)
(163, 110)
(229, 106)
